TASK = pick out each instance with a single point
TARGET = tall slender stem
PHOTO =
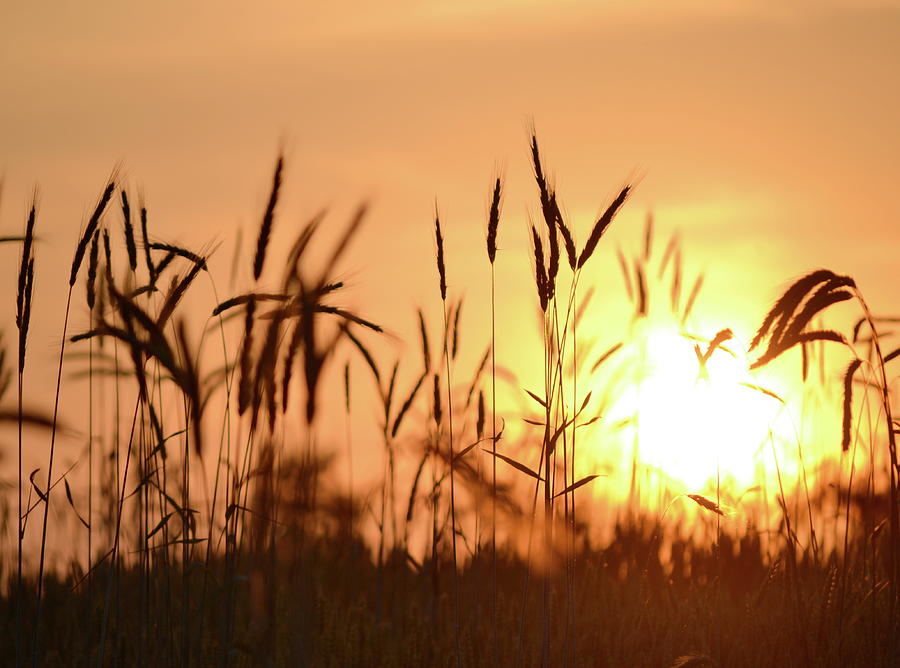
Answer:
(452, 485)
(120, 503)
(493, 469)
(893, 468)
(62, 350)
(545, 644)
(90, 512)
(572, 617)
(19, 592)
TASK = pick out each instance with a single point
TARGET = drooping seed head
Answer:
(601, 225)
(426, 349)
(479, 425)
(788, 303)
(550, 212)
(407, 404)
(539, 173)
(826, 295)
(347, 386)
(265, 228)
(245, 385)
(437, 400)
(27, 252)
(151, 270)
(176, 292)
(539, 273)
(93, 222)
(180, 252)
(107, 254)
(848, 403)
(158, 270)
(454, 347)
(553, 264)
(706, 503)
(568, 241)
(129, 232)
(92, 270)
(640, 282)
(442, 270)
(26, 313)
(494, 221)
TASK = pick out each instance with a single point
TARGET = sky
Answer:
(751, 126)
(764, 135)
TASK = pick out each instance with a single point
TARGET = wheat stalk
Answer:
(23, 317)
(442, 277)
(265, 228)
(80, 249)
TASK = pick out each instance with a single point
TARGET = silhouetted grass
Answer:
(268, 561)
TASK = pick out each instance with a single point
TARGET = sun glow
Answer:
(691, 419)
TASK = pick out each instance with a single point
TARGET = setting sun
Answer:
(693, 423)
(450, 333)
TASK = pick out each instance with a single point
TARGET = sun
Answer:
(694, 412)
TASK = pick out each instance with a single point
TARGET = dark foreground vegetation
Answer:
(324, 602)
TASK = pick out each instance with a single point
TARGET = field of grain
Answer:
(220, 513)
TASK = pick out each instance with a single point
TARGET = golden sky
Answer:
(766, 135)
(749, 122)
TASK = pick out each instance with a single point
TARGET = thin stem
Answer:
(120, 502)
(452, 485)
(892, 450)
(572, 617)
(90, 468)
(348, 436)
(493, 471)
(548, 507)
(224, 442)
(62, 350)
(19, 591)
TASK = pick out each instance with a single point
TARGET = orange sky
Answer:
(767, 136)
(764, 126)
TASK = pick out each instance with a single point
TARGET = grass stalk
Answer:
(442, 275)
(37, 623)
(23, 317)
